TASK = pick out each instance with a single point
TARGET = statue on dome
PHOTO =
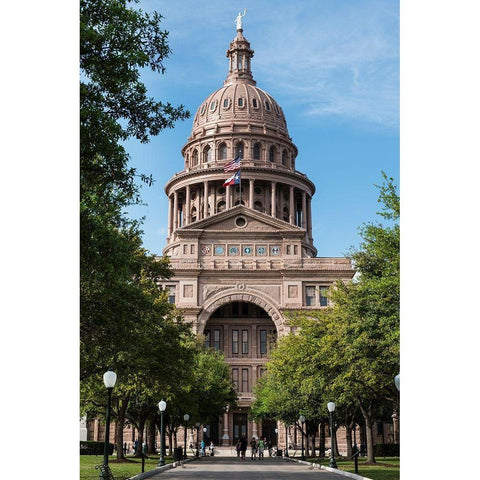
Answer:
(238, 20)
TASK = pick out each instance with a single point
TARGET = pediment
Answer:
(231, 221)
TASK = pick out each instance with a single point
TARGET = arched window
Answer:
(222, 151)
(195, 158)
(221, 206)
(239, 149)
(284, 158)
(207, 154)
(194, 214)
(256, 151)
(271, 154)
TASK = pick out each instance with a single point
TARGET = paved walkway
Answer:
(232, 468)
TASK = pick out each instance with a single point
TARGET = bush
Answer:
(94, 448)
(387, 450)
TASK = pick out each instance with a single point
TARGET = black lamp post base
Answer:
(333, 463)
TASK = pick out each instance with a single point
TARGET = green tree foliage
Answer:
(352, 347)
(118, 293)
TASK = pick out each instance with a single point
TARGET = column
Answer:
(250, 196)
(274, 200)
(214, 200)
(309, 217)
(188, 216)
(205, 199)
(227, 198)
(169, 232)
(304, 210)
(255, 429)
(291, 209)
(175, 210)
(225, 436)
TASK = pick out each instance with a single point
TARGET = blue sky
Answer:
(332, 66)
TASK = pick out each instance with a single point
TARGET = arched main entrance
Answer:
(245, 333)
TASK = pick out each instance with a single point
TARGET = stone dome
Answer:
(240, 100)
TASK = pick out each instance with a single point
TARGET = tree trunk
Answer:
(367, 416)
(348, 428)
(151, 434)
(141, 428)
(321, 443)
(120, 423)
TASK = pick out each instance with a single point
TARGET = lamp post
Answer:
(302, 421)
(109, 379)
(162, 405)
(198, 427)
(286, 441)
(331, 409)
(396, 416)
(186, 418)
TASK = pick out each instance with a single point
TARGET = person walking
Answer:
(238, 447)
(253, 446)
(243, 446)
(261, 448)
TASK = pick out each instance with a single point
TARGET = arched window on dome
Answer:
(239, 149)
(222, 151)
(271, 154)
(207, 154)
(284, 158)
(256, 151)
(258, 206)
(221, 205)
(195, 158)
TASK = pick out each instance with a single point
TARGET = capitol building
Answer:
(241, 248)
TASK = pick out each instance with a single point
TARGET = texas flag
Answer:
(233, 180)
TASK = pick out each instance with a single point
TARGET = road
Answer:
(232, 468)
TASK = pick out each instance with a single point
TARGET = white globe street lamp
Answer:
(331, 409)
(162, 405)
(109, 379)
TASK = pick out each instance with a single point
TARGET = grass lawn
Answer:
(386, 468)
(124, 469)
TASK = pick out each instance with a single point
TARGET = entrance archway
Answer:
(245, 333)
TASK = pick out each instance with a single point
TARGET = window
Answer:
(207, 154)
(171, 293)
(207, 338)
(284, 158)
(256, 151)
(245, 380)
(254, 103)
(221, 206)
(213, 106)
(226, 103)
(195, 158)
(310, 296)
(239, 149)
(234, 342)
(258, 206)
(235, 379)
(323, 296)
(263, 342)
(267, 105)
(271, 154)
(216, 340)
(240, 102)
(222, 151)
(244, 342)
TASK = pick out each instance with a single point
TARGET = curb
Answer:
(314, 466)
(158, 470)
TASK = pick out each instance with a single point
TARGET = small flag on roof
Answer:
(233, 180)
(233, 165)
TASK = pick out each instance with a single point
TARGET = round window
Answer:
(257, 190)
(240, 222)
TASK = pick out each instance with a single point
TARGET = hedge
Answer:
(94, 448)
(387, 450)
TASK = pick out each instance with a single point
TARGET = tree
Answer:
(352, 347)
(116, 42)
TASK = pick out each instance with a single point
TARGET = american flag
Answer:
(233, 165)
